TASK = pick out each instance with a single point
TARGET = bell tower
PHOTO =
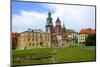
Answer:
(58, 32)
(58, 29)
(49, 24)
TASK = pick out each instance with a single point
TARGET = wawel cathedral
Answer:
(54, 36)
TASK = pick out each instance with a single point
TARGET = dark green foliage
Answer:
(76, 40)
(13, 44)
(91, 40)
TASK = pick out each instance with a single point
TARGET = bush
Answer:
(91, 40)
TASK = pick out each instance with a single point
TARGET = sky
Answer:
(33, 15)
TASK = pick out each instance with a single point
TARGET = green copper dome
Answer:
(49, 19)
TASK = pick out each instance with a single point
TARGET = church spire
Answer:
(58, 20)
(49, 13)
(63, 25)
(58, 28)
(64, 29)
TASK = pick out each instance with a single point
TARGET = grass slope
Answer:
(55, 55)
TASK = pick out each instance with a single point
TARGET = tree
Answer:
(91, 40)
(13, 44)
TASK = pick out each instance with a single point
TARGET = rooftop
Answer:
(87, 31)
(33, 30)
(71, 30)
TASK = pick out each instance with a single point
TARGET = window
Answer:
(28, 39)
(29, 44)
(36, 39)
(33, 44)
(32, 39)
(41, 43)
(45, 39)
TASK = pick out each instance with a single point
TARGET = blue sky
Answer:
(18, 6)
(33, 15)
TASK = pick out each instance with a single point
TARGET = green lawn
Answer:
(54, 55)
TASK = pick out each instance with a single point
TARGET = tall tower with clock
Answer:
(49, 24)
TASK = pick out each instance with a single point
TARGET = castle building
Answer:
(54, 36)
(33, 39)
(65, 37)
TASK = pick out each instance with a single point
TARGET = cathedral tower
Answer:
(58, 29)
(58, 32)
(49, 24)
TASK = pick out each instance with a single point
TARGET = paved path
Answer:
(54, 60)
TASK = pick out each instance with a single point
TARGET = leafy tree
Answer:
(13, 44)
(91, 40)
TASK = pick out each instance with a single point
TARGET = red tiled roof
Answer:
(87, 31)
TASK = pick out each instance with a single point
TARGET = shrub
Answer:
(91, 40)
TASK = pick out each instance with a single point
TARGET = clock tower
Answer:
(49, 24)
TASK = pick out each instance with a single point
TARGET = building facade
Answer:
(31, 39)
(83, 34)
(72, 35)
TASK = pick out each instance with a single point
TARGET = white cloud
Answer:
(75, 17)
(27, 19)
